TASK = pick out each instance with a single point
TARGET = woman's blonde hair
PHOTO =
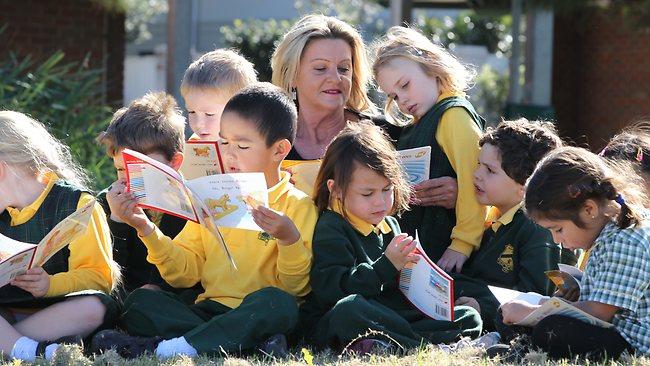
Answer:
(286, 57)
(434, 60)
(26, 144)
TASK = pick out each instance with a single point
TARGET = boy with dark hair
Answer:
(242, 308)
(514, 251)
(152, 125)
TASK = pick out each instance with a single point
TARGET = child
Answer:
(428, 84)
(239, 308)
(152, 125)
(40, 185)
(514, 251)
(632, 144)
(359, 249)
(589, 205)
(208, 84)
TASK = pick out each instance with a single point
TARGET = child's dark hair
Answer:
(633, 145)
(360, 144)
(567, 177)
(153, 123)
(521, 144)
(269, 108)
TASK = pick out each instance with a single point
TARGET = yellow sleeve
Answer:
(90, 265)
(458, 137)
(179, 260)
(294, 261)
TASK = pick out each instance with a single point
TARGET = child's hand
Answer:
(124, 208)
(571, 294)
(441, 191)
(400, 251)
(515, 311)
(468, 301)
(35, 281)
(277, 224)
(452, 260)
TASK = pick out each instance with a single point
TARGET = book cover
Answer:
(416, 163)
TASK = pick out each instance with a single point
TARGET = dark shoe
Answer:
(69, 340)
(513, 352)
(369, 346)
(275, 345)
(125, 345)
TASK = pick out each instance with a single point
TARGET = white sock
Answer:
(24, 349)
(175, 346)
(49, 350)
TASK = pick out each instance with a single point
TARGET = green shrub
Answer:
(66, 96)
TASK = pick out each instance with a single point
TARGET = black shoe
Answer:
(514, 352)
(69, 340)
(275, 345)
(125, 345)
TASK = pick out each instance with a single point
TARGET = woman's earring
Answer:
(294, 93)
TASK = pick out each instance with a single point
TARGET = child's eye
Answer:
(243, 147)
(209, 114)
(190, 112)
(405, 85)
(367, 194)
(388, 189)
(558, 230)
(223, 142)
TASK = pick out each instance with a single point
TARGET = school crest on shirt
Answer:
(265, 237)
(505, 260)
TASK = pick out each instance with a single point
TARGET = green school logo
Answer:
(265, 237)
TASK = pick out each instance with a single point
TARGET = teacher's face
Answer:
(325, 74)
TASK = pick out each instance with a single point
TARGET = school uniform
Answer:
(81, 268)
(514, 253)
(356, 286)
(239, 307)
(452, 128)
(131, 254)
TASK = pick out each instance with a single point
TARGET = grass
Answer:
(72, 355)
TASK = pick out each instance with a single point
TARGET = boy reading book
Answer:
(514, 251)
(240, 309)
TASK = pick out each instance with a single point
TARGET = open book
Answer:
(16, 257)
(200, 159)
(428, 287)
(549, 306)
(303, 173)
(212, 201)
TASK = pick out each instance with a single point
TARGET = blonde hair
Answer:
(286, 57)
(153, 123)
(26, 144)
(223, 70)
(434, 60)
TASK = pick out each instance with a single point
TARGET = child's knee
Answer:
(90, 310)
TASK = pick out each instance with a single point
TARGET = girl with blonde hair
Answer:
(40, 185)
(427, 85)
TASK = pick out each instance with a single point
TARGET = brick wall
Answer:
(601, 77)
(78, 27)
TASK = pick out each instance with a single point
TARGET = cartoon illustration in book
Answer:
(201, 151)
(4, 255)
(220, 207)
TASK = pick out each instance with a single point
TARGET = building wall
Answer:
(78, 27)
(601, 78)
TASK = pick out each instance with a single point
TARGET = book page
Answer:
(428, 287)
(573, 271)
(63, 234)
(416, 163)
(303, 173)
(504, 295)
(229, 197)
(157, 186)
(200, 159)
(557, 306)
(15, 257)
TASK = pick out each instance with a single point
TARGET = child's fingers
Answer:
(412, 258)
(404, 242)
(27, 278)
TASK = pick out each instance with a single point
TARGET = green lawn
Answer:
(428, 356)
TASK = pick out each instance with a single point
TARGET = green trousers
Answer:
(354, 315)
(211, 327)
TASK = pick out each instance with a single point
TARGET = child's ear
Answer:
(177, 160)
(589, 211)
(281, 149)
(334, 192)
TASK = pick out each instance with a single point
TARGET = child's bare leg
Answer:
(8, 336)
(77, 316)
